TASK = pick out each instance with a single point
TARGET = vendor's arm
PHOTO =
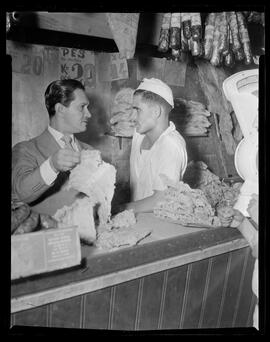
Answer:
(144, 205)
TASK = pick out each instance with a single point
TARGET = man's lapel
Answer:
(46, 144)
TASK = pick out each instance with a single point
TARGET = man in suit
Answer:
(41, 166)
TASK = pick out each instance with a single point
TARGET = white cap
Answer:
(158, 87)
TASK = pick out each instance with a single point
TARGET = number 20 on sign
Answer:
(32, 64)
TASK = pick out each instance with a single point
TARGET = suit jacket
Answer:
(27, 184)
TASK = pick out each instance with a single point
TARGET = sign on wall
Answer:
(111, 67)
(77, 64)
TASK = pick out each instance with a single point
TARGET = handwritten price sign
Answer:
(28, 62)
(112, 67)
(119, 68)
(79, 65)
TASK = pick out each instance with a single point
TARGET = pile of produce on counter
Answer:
(123, 120)
(191, 116)
(117, 233)
(222, 38)
(25, 220)
(221, 195)
(198, 176)
(185, 205)
(201, 198)
(120, 232)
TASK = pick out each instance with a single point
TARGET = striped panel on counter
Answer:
(210, 293)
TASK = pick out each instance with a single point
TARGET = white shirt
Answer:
(47, 172)
(167, 156)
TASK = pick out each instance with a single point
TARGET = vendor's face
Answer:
(77, 114)
(145, 117)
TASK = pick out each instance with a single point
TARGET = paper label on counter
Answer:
(60, 247)
(44, 251)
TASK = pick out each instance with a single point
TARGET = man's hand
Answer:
(238, 218)
(65, 159)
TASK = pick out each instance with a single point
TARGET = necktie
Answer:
(68, 141)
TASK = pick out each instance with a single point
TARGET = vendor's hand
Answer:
(158, 197)
(65, 159)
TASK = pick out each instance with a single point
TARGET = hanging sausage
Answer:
(175, 33)
(225, 40)
(196, 26)
(209, 35)
(244, 37)
(186, 22)
(164, 38)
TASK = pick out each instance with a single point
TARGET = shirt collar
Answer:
(58, 135)
(168, 130)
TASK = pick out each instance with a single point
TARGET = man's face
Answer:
(145, 117)
(77, 114)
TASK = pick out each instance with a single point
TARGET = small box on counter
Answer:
(44, 251)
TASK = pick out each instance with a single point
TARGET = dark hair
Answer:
(149, 97)
(60, 91)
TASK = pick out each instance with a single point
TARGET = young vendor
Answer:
(40, 166)
(157, 147)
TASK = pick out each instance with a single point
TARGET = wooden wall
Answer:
(211, 293)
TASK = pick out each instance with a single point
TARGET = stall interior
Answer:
(202, 114)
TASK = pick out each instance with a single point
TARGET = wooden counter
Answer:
(178, 278)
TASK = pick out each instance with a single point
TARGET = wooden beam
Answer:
(90, 24)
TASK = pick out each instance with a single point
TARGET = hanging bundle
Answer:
(164, 38)
(225, 40)
(175, 33)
